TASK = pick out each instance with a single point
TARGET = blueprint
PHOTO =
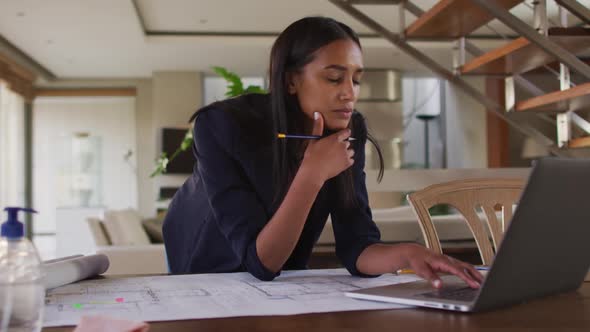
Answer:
(159, 298)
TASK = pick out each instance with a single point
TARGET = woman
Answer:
(258, 203)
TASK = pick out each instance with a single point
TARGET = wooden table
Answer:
(566, 312)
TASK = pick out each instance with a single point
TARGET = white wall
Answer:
(175, 97)
(464, 123)
(167, 99)
(384, 123)
(146, 142)
(421, 95)
(110, 118)
(465, 127)
(466, 139)
(146, 147)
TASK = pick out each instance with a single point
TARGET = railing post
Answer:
(458, 55)
(509, 93)
(564, 120)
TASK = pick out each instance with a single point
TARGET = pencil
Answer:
(410, 271)
(281, 135)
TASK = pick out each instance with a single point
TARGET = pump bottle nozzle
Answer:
(13, 228)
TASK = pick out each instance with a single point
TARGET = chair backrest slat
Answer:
(493, 196)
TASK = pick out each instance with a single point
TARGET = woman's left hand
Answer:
(427, 264)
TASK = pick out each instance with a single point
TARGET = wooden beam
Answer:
(86, 92)
(497, 129)
(521, 55)
(17, 69)
(14, 52)
(572, 99)
(18, 78)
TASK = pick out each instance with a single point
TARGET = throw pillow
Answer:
(124, 228)
(153, 227)
(98, 232)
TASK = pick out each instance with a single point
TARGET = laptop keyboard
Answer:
(458, 293)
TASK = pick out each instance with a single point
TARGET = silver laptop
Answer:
(546, 248)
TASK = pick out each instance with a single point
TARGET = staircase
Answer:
(540, 46)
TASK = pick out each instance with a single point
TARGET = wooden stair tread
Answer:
(573, 99)
(521, 55)
(555, 64)
(453, 19)
(580, 142)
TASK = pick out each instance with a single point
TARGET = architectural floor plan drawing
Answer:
(178, 297)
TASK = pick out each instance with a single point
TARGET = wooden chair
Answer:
(467, 196)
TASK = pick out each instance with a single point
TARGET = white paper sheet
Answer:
(179, 297)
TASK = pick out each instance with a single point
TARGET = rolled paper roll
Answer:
(63, 272)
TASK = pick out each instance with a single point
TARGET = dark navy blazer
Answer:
(214, 218)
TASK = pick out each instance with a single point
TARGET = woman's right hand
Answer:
(328, 156)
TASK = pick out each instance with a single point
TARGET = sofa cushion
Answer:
(136, 260)
(98, 232)
(153, 228)
(124, 227)
(403, 212)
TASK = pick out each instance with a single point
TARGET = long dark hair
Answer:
(293, 49)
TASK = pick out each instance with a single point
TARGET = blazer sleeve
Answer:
(237, 210)
(354, 228)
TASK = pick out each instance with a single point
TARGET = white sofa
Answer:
(123, 239)
(135, 259)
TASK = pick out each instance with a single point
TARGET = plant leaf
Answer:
(161, 165)
(235, 87)
(254, 89)
(187, 141)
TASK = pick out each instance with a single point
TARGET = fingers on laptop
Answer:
(423, 270)
(462, 270)
(474, 272)
(469, 269)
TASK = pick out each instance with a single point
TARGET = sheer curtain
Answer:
(12, 148)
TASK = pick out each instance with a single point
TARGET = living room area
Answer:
(91, 101)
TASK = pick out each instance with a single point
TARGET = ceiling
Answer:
(132, 39)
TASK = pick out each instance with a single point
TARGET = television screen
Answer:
(184, 162)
